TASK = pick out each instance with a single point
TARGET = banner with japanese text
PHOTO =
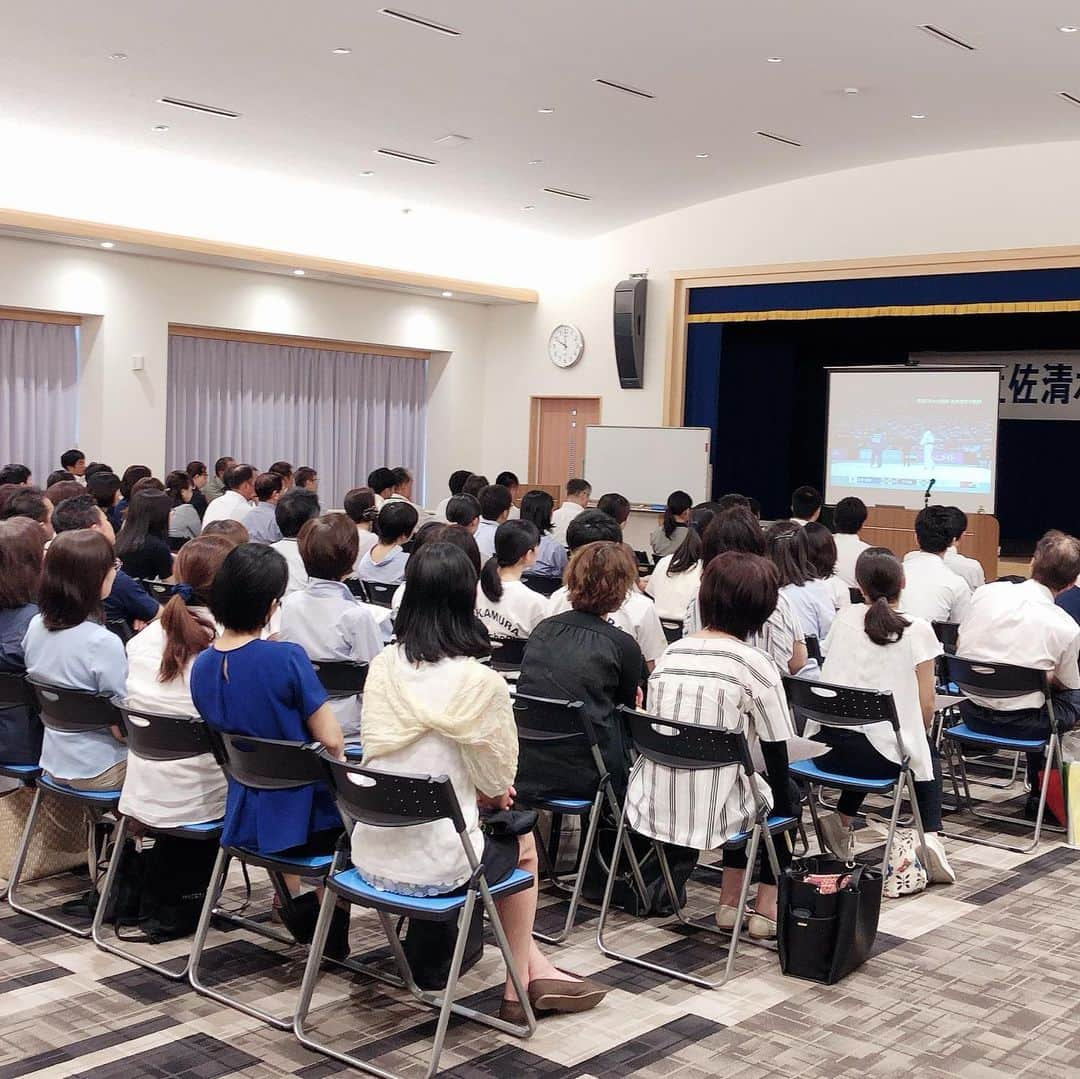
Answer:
(1034, 385)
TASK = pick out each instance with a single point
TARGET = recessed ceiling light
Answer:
(160, 129)
(298, 273)
(366, 172)
(341, 52)
(536, 161)
(529, 207)
(774, 59)
(107, 244)
(918, 116)
(407, 210)
(701, 157)
(447, 295)
(546, 111)
(1069, 29)
(851, 90)
(118, 56)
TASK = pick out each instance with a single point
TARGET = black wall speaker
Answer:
(630, 331)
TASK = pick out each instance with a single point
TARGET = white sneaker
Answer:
(835, 834)
(938, 871)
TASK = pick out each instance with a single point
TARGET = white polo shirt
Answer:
(1021, 624)
(968, 568)
(231, 506)
(560, 521)
(848, 549)
(932, 591)
(485, 538)
(637, 616)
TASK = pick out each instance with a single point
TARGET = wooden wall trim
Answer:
(286, 341)
(21, 314)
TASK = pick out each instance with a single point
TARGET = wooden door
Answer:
(557, 438)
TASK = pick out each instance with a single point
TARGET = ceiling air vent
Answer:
(624, 89)
(945, 37)
(196, 106)
(568, 194)
(777, 138)
(401, 155)
(418, 20)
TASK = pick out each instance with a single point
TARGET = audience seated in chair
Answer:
(849, 516)
(385, 562)
(31, 503)
(809, 597)
(822, 555)
(236, 502)
(578, 493)
(667, 539)
(464, 510)
(551, 557)
(196, 472)
(675, 579)
(874, 646)
(495, 506)
(142, 544)
(431, 708)
(931, 589)
(507, 607)
(456, 485)
(360, 509)
(616, 507)
(968, 568)
(261, 521)
(806, 505)
(214, 488)
(185, 523)
(294, 509)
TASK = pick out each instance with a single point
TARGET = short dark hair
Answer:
(738, 593)
(267, 484)
(103, 486)
(132, 475)
(14, 474)
(494, 502)
(474, 484)
(732, 499)
(71, 457)
(592, 526)
(849, 515)
(147, 483)
(22, 548)
(401, 475)
(223, 464)
(97, 466)
(329, 546)
(60, 475)
(176, 483)
(360, 505)
(805, 502)
(614, 505)
(237, 476)
(64, 489)
(75, 513)
(1057, 561)
(933, 529)
(538, 506)
(958, 522)
(76, 565)
(380, 479)
(462, 510)
(194, 469)
(457, 480)
(600, 576)
(578, 487)
(294, 509)
(282, 469)
(396, 519)
(29, 502)
(252, 577)
(304, 475)
(820, 549)
(507, 479)
(733, 529)
(437, 619)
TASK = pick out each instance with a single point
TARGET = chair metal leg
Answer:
(908, 780)
(584, 854)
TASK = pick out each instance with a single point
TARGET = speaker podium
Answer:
(894, 527)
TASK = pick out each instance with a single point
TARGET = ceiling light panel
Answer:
(946, 38)
(1072, 99)
(624, 89)
(401, 155)
(420, 21)
(568, 194)
(196, 106)
(778, 138)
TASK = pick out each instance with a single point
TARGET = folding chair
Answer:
(262, 764)
(856, 595)
(813, 650)
(341, 678)
(1003, 680)
(644, 563)
(356, 587)
(154, 737)
(548, 722)
(64, 710)
(507, 653)
(689, 747)
(543, 583)
(673, 629)
(15, 692)
(159, 590)
(844, 707)
(381, 594)
(386, 800)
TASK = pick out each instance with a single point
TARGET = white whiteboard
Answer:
(645, 464)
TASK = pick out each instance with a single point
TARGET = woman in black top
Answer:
(142, 545)
(580, 656)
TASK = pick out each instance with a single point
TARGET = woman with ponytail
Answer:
(167, 794)
(506, 606)
(877, 647)
(666, 539)
(677, 577)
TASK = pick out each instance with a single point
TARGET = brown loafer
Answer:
(511, 1011)
(558, 995)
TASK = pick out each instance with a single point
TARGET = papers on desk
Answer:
(798, 749)
(944, 701)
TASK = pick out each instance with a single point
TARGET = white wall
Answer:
(1017, 196)
(133, 299)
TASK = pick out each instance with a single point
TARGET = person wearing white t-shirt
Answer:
(495, 508)
(506, 606)
(457, 485)
(578, 493)
(809, 597)
(237, 501)
(931, 590)
(849, 518)
(677, 577)
(821, 550)
(873, 646)
(295, 508)
(968, 568)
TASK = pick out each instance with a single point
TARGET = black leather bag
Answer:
(824, 935)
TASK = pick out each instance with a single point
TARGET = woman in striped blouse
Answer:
(716, 679)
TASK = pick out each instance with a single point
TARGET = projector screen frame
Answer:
(914, 366)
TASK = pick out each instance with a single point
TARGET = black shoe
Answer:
(337, 942)
(83, 907)
(1031, 807)
(299, 915)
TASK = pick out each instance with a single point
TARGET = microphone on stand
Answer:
(929, 488)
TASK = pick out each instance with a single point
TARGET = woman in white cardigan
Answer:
(432, 708)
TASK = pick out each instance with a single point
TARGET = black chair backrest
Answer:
(986, 679)
(813, 650)
(356, 587)
(673, 629)
(15, 691)
(266, 764)
(543, 583)
(947, 632)
(121, 627)
(644, 563)
(391, 800)
(380, 593)
(686, 745)
(545, 719)
(856, 595)
(176, 542)
(341, 678)
(155, 737)
(73, 709)
(160, 591)
(840, 706)
(507, 651)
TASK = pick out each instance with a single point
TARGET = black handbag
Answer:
(823, 935)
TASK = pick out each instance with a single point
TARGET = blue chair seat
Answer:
(210, 829)
(963, 733)
(350, 885)
(808, 770)
(564, 805)
(280, 863)
(20, 771)
(354, 753)
(104, 797)
(775, 824)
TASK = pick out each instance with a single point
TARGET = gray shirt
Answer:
(261, 523)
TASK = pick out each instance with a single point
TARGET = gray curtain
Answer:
(341, 413)
(39, 394)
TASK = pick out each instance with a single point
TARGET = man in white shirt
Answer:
(73, 462)
(849, 518)
(968, 568)
(494, 509)
(402, 492)
(1021, 625)
(805, 505)
(294, 509)
(578, 493)
(637, 616)
(381, 482)
(931, 590)
(457, 485)
(235, 503)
